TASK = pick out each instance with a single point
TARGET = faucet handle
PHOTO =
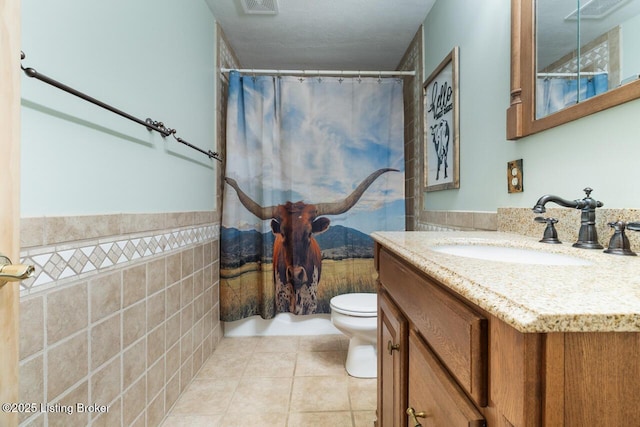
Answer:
(619, 242)
(550, 234)
(633, 226)
(544, 220)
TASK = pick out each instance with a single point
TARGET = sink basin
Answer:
(509, 254)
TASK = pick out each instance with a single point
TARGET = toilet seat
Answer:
(356, 305)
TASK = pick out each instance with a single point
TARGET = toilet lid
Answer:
(358, 305)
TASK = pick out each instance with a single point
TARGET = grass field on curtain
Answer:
(243, 300)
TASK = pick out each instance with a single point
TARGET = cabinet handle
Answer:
(415, 415)
(391, 347)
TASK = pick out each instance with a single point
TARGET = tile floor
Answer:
(291, 381)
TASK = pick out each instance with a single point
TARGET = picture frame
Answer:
(441, 119)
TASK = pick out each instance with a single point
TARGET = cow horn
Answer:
(259, 211)
(336, 208)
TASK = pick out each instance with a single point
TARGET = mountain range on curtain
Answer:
(313, 166)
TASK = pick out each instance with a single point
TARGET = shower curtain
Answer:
(554, 94)
(313, 166)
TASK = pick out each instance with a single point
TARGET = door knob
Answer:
(14, 272)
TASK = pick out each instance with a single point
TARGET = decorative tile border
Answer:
(77, 260)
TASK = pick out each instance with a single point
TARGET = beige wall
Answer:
(123, 312)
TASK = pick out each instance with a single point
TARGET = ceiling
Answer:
(323, 35)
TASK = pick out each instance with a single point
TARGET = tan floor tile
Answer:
(317, 363)
(206, 397)
(320, 419)
(271, 365)
(320, 394)
(344, 343)
(279, 344)
(364, 418)
(193, 421)
(362, 393)
(320, 343)
(276, 382)
(234, 346)
(223, 365)
(261, 395)
(235, 419)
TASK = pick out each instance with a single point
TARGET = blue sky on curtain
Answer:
(328, 143)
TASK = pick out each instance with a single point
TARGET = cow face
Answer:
(294, 227)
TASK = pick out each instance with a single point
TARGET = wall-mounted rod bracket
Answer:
(152, 125)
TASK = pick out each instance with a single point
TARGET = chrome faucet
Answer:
(588, 235)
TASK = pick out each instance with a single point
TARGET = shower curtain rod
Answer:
(148, 123)
(321, 72)
(585, 73)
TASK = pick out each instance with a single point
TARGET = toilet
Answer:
(356, 316)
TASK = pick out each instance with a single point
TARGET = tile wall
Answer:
(521, 221)
(456, 220)
(121, 314)
(412, 92)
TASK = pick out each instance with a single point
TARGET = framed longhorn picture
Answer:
(441, 126)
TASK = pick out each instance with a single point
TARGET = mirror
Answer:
(569, 59)
(581, 51)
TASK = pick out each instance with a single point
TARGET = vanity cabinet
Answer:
(461, 365)
(392, 363)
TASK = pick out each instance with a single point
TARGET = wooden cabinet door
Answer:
(434, 394)
(392, 363)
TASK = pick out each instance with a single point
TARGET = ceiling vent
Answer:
(260, 7)
(595, 9)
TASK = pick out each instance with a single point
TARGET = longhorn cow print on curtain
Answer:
(313, 167)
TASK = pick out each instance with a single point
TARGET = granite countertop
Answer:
(603, 296)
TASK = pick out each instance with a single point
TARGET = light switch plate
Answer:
(514, 176)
